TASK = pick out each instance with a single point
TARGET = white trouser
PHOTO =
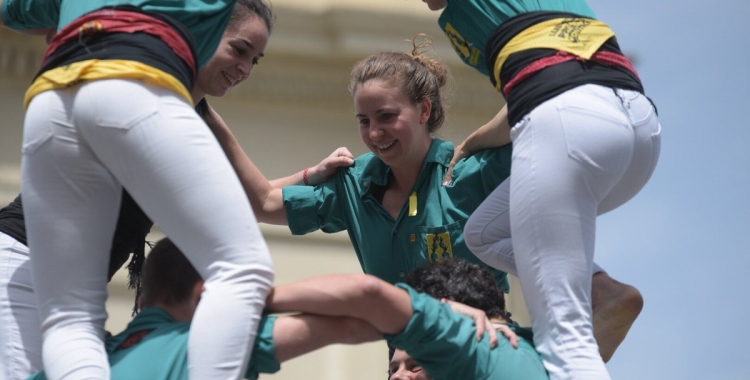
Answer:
(81, 146)
(20, 335)
(576, 156)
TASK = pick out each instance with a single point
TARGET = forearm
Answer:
(292, 180)
(494, 134)
(267, 201)
(384, 306)
(297, 335)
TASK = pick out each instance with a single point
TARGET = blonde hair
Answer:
(419, 76)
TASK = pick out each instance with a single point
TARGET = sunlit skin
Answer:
(403, 367)
(391, 126)
(435, 5)
(241, 48)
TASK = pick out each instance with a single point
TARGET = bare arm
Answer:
(495, 133)
(386, 307)
(319, 173)
(266, 197)
(267, 201)
(382, 305)
(297, 335)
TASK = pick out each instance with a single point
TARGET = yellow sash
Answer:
(579, 36)
(69, 75)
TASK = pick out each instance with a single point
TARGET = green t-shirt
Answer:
(387, 248)
(161, 352)
(444, 343)
(206, 20)
(470, 23)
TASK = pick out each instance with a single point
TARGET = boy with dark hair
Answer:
(472, 285)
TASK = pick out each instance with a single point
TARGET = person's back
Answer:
(205, 20)
(154, 346)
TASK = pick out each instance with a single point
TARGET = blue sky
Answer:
(684, 240)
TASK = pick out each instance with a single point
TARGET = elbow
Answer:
(370, 286)
(473, 236)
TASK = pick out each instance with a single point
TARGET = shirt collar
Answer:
(148, 319)
(377, 172)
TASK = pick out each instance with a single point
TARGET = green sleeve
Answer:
(312, 208)
(483, 171)
(31, 14)
(263, 359)
(494, 167)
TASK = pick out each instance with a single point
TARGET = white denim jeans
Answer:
(578, 155)
(20, 333)
(83, 144)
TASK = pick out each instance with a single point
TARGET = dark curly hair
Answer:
(461, 281)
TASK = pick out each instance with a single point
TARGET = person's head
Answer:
(170, 281)
(461, 281)
(403, 367)
(242, 46)
(436, 5)
(399, 101)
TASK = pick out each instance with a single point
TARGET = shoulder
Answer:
(365, 159)
(496, 160)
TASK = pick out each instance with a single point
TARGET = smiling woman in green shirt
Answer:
(391, 201)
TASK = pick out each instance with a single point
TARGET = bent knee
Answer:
(473, 236)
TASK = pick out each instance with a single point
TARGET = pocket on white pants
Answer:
(122, 104)
(601, 141)
(126, 123)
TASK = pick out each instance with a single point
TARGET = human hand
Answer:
(508, 333)
(481, 321)
(327, 168)
(459, 153)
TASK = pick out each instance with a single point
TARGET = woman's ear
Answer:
(425, 108)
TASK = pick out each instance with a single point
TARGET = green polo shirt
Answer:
(468, 24)
(154, 346)
(206, 20)
(387, 248)
(444, 344)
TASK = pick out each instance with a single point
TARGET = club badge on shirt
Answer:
(467, 52)
(439, 247)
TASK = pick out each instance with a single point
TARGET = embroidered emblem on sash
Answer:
(570, 29)
(439, 247)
